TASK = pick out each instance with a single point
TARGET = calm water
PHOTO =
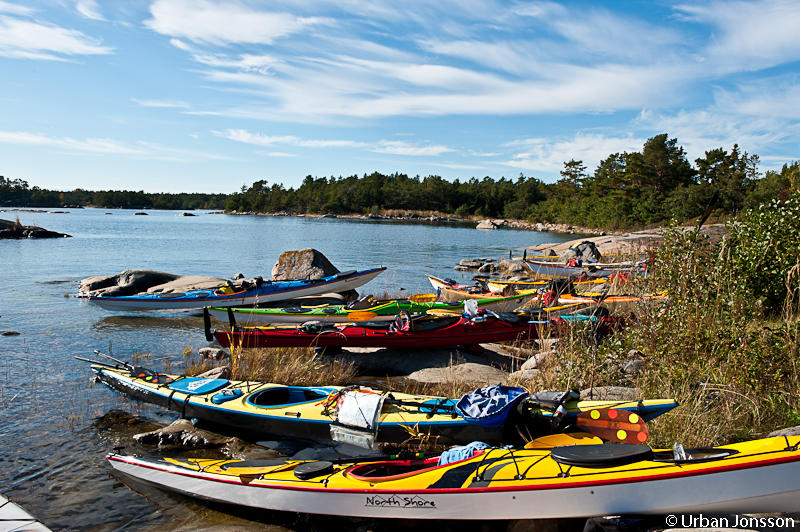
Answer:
(52, 457)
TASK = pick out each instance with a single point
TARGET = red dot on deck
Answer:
(641, 437)
(612, 414)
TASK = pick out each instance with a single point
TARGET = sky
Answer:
(212, 95)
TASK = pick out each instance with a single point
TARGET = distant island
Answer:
(627, 190)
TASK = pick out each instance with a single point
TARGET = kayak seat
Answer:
(390, 470)
(430, 324)
(285, 395)
(605, 455)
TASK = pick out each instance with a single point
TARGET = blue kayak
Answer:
(225, 296)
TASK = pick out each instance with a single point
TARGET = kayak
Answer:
(14, 517)
(300, 411)
(430, 332)
(264, 292)
(368, 310)
(549, 269)
(497, 286)
(550, 478)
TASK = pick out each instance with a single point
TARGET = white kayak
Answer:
(14, 519)
(581, 479)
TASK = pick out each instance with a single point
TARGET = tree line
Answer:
(18, 193)
(628, 189)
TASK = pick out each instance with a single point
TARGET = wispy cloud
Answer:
(393, 147)
(167, 104)
(221, 23)
(89, 9)
(102, 146)
(747, 35)
(15, 9)
(26, 39)
(549, 155)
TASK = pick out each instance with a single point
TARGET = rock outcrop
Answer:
(131, 282)
(302, 264)
(15, 230)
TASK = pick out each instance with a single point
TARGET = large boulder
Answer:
(583, 251)
(302, 264)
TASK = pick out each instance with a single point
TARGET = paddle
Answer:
(614, 425)
(361, 315)
(124, 364)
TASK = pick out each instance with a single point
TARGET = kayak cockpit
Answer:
(383, 471)
(287, 396)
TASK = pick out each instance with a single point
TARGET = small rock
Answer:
(633, 366)
(460, 268)
(140, 214)
(181, 433)
(470, 263)
(487, 225)
(486, 268)
(214, 353)
(525, 374)
(512, 266)
(10, 333)
(790, 431)
(534, 361)
(469, 371)
(186, 214)
(222, 372)
(238, 276)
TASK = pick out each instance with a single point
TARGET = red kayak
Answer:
(403, 333)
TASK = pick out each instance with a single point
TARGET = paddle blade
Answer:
(614, 425)
(361, 316)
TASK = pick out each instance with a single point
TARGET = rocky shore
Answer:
(15, 230)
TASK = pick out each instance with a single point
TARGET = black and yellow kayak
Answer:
(559, 476)
(306, 411)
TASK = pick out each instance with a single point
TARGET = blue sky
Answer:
(210, 95)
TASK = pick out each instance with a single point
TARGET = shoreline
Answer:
(434, 217)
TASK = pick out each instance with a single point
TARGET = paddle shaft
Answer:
(124, 364)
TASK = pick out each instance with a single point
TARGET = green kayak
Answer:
(365, 309)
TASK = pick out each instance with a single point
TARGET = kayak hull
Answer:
(461, 332)
(271, 291)
(760, 477)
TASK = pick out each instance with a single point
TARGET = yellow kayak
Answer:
(564, 476)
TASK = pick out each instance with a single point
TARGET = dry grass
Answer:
(285, 365)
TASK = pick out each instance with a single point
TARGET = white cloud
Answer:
(140, 149)
(89, 9)
(214, 22)
(548, 155)
(166, 104)
(748, 35)
(393, 147)
(33, 40)
(15, 9)
(396, 147)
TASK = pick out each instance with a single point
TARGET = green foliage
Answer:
(18, 193)
(764, 247)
